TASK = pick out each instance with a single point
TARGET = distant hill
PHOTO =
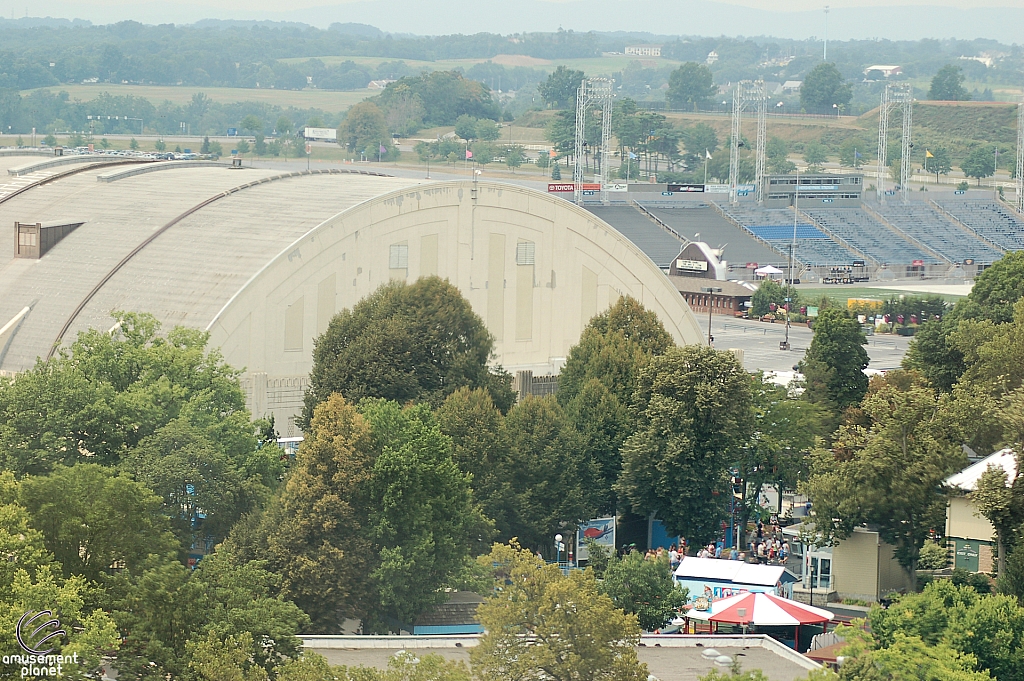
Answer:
(45, 22)
(247, 23)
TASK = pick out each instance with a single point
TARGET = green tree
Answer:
(887, 472)
(203, 492)
(559, 90)
(980, 162)
(423, 520)
(700, 140)
(694, 411)
(995, 500)
(242, 147)
(833, 367)
(948, 85)
(645, 588)
(689, 86)
(419, 341)
(284, 126)
(823, 89)
(92, 518)
(487, 130)
(133, 144)
(514, 157)
(777, 153)
(484, 152)
(556, 171)
(160, 145)
(97, 399)
(939, 162)
(552, 479)
(542, 624)
(316, 536)
(164, 611)
(480, 445)
(785, 432)
(364, 127)
(815, 154)
(252, 124)
(769, 293)
(466, 127)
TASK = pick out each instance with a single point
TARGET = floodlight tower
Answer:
(903, 95)
(1020, 156)
(748, 93)
(592, 91)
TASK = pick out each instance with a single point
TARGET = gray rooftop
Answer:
(186, 274)
(668, 658)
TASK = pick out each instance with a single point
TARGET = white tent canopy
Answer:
(763, 610)
(767, 270)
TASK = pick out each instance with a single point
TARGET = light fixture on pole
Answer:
(784, 345)
(710, 290)
(558, 547)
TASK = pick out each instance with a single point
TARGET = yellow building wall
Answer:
(855, 566)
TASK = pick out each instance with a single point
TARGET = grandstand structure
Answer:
(995, 223)
(925, 223)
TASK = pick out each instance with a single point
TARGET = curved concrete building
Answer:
(263, 260)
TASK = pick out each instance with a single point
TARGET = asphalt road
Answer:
(759, 342)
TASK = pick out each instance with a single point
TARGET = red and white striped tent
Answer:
(761, 610)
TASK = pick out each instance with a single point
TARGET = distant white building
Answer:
(643, 50)
(887, 70)
(789, 86)
(378, 84)
(712, 58)
(986, 60)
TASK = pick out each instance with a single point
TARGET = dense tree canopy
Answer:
(419, 341)
(694, 410)
(559, 90)
(834, 364)
(823, 89)
(543, 624)
(948, 85)
(689, 86)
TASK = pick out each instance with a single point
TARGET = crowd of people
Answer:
(767, 547)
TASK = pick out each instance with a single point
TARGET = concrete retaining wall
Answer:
(58, 161)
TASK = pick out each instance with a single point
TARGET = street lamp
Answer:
(709, 290)
(558, 547)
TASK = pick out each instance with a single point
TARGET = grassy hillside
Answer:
(326, 100)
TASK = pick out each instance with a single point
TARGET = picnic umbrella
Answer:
(762, 610)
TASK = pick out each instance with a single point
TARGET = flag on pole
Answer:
(551, 153)
(928, 154)
(469, 154)
(633, 156)
(383, 150)
(707, 155)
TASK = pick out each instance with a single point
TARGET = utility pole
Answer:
(784, 345)
(710, 290)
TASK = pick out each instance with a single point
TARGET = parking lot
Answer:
(759, 342)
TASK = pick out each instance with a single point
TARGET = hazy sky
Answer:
(897, 19)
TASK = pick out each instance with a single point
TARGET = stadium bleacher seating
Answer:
(659, 245)
(813, 247)
(931, 227)
(997, 223)
(868, 235)
(716, 231)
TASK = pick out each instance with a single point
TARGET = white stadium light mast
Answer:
(592, 91)
(748, 93)
(903, 95)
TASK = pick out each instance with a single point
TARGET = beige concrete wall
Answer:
(534, 299)
(891, 575)
(963, 521)
(855, 566)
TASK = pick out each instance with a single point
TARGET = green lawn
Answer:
(302, 99)
(842, 293)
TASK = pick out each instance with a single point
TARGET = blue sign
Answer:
(666, 193)
(588, 193)
(232, 132)
(959, 191)
(743, 192)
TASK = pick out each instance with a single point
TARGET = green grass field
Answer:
(302, 99)
(842, 293)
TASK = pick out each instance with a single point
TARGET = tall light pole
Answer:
(825, 54)
(710, 290)
(784, 345)
(558, 548)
